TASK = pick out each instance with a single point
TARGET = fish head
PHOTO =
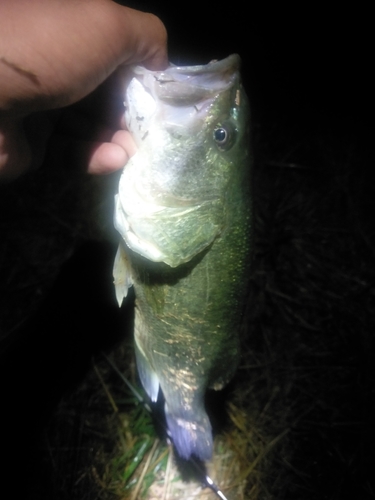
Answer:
(189, 124)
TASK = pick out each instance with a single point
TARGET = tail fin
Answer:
(191, 434)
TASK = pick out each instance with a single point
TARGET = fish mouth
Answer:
(180, 96)
(189, 84)
(229, 64)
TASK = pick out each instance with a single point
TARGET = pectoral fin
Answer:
(122, 275)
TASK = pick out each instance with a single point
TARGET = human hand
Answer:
(53, 54)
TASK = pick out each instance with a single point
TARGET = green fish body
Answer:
(184, 213)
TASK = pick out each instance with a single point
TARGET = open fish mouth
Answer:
(185, 91)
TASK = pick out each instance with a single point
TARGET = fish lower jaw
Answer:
(129, 228)
(142, 247)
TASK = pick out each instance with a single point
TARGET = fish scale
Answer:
(186, 229)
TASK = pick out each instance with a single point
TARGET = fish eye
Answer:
(220, 135)
(224, 135)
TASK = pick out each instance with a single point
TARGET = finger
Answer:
(95, 157)
(111, 156)
(85, 124)
(106, 158)
(124, 139)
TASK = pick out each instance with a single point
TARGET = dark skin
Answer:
(55, 53)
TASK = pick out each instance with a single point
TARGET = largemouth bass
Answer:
(184, 212)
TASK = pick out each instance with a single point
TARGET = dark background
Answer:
(307, 70)
(308, 61)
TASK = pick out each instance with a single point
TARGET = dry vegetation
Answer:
(297, 422)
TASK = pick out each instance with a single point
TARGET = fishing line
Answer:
(205, 478)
